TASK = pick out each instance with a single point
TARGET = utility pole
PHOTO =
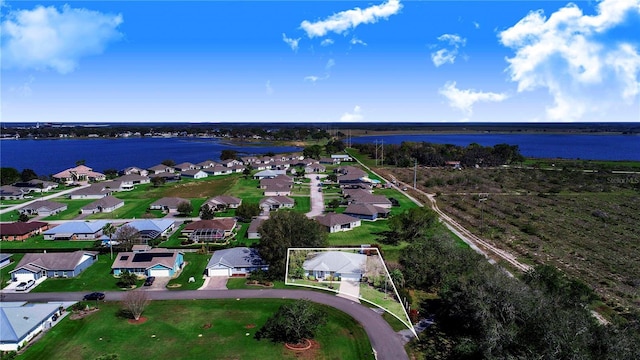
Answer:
(415, 173)
(376, 145)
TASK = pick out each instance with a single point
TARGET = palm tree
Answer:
(108, 229)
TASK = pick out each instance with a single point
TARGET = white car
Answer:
(25, 285)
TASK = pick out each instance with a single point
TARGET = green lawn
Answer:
(241, 283)
(10, 216)
(385, 301)
(303, 204)
(196, 263)
(96, 277)
(202, 329)
(132, 209)
(246, 189)
(404, 202)
(364, 234)
(174, 239)
(38, 242)
(73, 209)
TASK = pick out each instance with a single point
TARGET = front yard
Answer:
(203, 329)
(194, 267)
(38, 242)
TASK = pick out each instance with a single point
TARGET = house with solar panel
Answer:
(153, 262)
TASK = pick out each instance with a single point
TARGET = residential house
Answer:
(453, 164)
(366, 211)
(329, 161)
(276, 202)
(194, 174)
(133, 170)
(5, 259)
(37, 185)
(214, 230)
(167, 176)
(238, 261)
(168, 204)
(43, 208)
(184, 167)
(218, 170)
(94, 191)
(159, 169)
(155, 262)
(280, 165)
(10, 192)
(20, 231)
(237, 169)
(76, 230)
(230, 162)
(345, 265)
(376, 200)
(342, 157)
(150, 229)
(222, 202)
(20, 322)
(33, 266)
(128, 182)
(106, 205)
(315, 168)
(79, 174)
(140, 248)
(252, 231)
(249, 160)
(268, 174)
(206, 164)
(338, 222)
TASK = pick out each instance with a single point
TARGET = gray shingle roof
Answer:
(146, 259)
(105, 202)
(238, 257)
(333, 219)
(53, 261)
(337, 261)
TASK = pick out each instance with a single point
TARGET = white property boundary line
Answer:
(406, 321)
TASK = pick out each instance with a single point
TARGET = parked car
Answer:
(30, 283)
(94, 296)
(149, 281)
(22, 286)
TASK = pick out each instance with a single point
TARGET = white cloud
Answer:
(448, 55)
(268, 87)
(330, 63)
(350, 19)
(326, 42)
(24, 90)
(312, 78)
(46, 38)
(476, 24)
(355, 115)
(356, 41)
(464, 100)
(293, 43)
(573, 56)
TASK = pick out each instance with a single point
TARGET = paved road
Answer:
(386, 342)
(317, 197)
(38, 198)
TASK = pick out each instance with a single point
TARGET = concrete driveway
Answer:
(214, 283)
(349, 289)
(317, 198)
(160, 283)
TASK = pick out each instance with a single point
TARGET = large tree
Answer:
(108, 230)
(9, 175)
(28, 174)
(247, 210)
(313, 151)
(228, 154)
(168, 162)
(412, 224)
(185, 208)
(283, 230)
(126, 236)
(207, 212)
(293, 322)
(135, 302)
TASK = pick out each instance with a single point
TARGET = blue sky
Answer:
(320, 61)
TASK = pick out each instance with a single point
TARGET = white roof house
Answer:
(20, 322)
(336, 263)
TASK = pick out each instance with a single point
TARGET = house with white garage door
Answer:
(347, 266)
(33, 266)
(20, 322)
(155, 262)
(239, 261)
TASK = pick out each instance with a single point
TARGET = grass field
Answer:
(4, 272)
(195, 267)
(96, 277)
(241, 283)
(38, 242)
(201, 329)
(582, 223)
(73, 209)
(246, 189)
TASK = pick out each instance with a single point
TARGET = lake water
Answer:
(567, 146)
(48, 157)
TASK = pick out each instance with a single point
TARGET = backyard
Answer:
(203, 329)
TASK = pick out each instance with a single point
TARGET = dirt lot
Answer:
(584, 223)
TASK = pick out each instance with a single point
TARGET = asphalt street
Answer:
(386, 343)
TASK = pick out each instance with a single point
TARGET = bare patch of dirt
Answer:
(207, 326)
(142, 320)
(82, 313)
(250, 326)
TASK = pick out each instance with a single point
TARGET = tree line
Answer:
(481, 312)
(427, 154)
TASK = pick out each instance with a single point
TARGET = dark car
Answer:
(149, 281)
(94, 296)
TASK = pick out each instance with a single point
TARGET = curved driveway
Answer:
(386, 342)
